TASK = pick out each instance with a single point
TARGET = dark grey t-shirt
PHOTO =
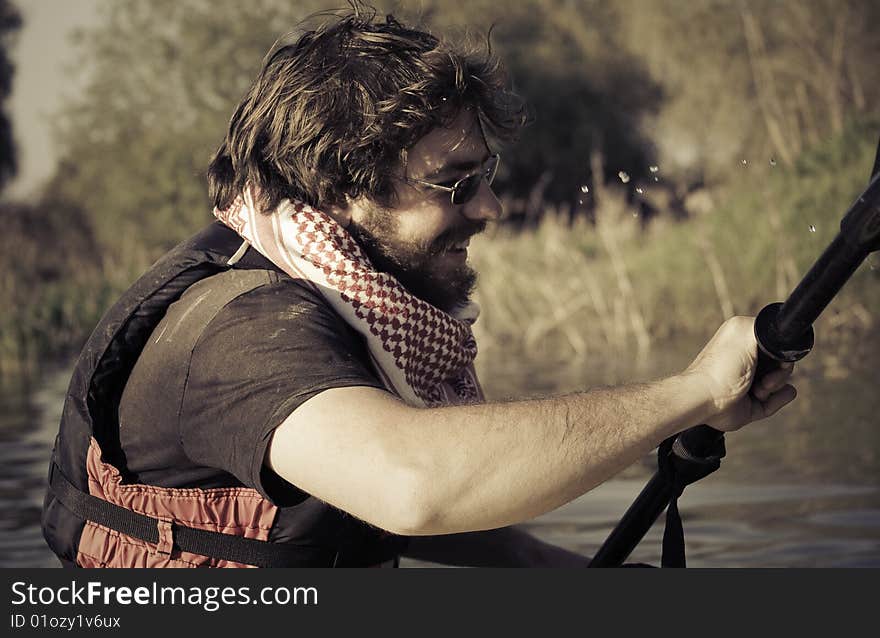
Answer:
(222, 370)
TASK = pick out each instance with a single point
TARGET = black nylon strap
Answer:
(681, 468)
(238, 549)
(673, 538)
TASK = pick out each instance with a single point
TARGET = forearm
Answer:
(504, 547)
(492, 465)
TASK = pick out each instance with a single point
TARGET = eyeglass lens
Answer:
(467, 188)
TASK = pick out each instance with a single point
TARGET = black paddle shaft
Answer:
(784, 332)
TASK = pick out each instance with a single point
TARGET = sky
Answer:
(42, 54)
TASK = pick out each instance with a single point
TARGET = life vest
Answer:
(95, 516)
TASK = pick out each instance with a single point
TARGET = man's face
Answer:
(423, 240)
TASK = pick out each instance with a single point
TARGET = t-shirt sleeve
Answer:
(262, 356)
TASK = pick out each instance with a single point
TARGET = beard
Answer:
(419, 266)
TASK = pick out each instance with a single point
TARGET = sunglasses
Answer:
(465, 189)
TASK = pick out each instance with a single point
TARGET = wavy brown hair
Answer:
(333, 114)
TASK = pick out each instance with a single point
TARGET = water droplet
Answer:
(656, 179)
(653, 169)
(640, 191)
(585, 189)
(812, 228)
(772, 162)
(624, 176)
(745, 162)
(580, 201)
(636, 214)
(443, 99)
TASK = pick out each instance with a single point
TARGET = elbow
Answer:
(409, 498)
(416, 508)
(415, 485)
(413, 509)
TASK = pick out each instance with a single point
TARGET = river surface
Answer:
(801, 489)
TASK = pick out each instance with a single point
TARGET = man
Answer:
(295, 386)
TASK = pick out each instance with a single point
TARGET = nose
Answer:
(484, 205)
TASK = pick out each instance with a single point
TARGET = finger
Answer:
(770, 383)
(779, 399)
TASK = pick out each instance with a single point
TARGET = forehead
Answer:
(459, 143)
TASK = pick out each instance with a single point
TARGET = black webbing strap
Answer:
(681, 469)
(238, 549)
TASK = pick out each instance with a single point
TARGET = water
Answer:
(801, 489)
(28, 423)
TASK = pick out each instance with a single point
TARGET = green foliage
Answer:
(10, 21)
(754, 78)
(163, 80)
(54, 289)
(552, 293)
(586, 89)
(621, 78)
(680, 83)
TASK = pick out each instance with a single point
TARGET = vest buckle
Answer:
(166, 537)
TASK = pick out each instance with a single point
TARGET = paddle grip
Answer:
(766, 365)
(700, 443)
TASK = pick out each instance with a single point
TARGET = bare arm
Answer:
(455, 469)
(466, 468)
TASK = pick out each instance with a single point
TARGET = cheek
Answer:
(423, 222)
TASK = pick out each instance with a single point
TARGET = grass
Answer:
(556, 292)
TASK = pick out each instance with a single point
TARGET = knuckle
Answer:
(739, 324)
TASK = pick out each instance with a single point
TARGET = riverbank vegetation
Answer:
(688, 161)
(561, 290)
(567, 289)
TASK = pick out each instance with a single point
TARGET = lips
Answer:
(458, 239)
(451, 245)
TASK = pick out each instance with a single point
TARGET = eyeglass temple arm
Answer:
(448, 189)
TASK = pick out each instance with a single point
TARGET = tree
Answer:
(698, 84)
(753, 79)
(586, 88)
(10, 21)
(164, 77)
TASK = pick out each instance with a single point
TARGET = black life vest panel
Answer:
(90, 421)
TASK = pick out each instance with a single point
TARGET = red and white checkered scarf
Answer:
(422, 354)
